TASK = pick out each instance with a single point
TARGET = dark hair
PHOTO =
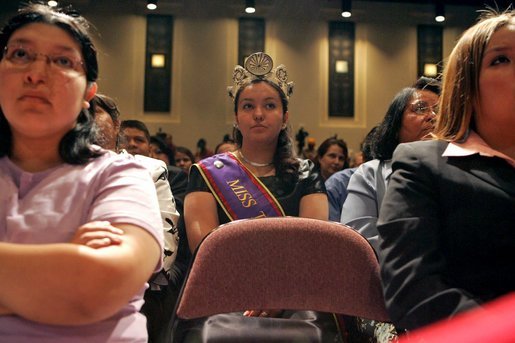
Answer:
(185, 151)
(107, 104)
(386, 136)
(135, 124)
(366, 145)
(165, 149)
(285, 161)
(322, 150)
(74, 147)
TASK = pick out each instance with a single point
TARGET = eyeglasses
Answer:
(23, 56)
(423, 108)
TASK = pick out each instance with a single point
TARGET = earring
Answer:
(85, 104)
(283, 127)
(235, 125)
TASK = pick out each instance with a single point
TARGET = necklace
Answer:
(254, 164)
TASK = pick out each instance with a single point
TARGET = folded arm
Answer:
(75, 284)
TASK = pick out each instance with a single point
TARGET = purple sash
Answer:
(238, 191)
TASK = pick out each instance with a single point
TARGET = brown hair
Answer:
(459, 101)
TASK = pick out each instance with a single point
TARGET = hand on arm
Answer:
(97, 234)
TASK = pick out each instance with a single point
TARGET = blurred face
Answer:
(419, 115)
(134, 141)
(260, 115)
(107, 130)
(497, 86)
(156, 152)
(43, 85)
(225, 147)
(183, 161)
(332, 161)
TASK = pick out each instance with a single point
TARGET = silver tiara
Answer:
(258, 66)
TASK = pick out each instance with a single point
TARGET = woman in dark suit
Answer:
(447, 223)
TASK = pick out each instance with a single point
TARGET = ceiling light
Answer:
(52, 3)
(152, 4)
(439, 12)
(346, 8)
(250, 6)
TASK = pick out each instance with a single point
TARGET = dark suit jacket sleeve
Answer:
(412, 265)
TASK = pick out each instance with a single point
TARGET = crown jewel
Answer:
(258, 66)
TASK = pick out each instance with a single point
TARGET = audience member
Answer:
(271, 181)
(202, 150)
(177, 177)
(410, 117)
(167, 138)
(160, 150)
(446, 227)
(77, 245)
(107, 118)
(336, 184)
(310, 152)
(184, 158)
(134, 137)
(331, 157)
(107, 121)
(226, 145)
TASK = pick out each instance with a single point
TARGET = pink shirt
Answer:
(48, 207)
(474, 144)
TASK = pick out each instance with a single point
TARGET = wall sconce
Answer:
(439, 12)
(152, 4)
(346, 8)
(430, 69)
(250, 6)
(157, 60)
(342, 67)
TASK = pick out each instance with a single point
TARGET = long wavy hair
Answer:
(285, 160)
(74, 147)
(459, 102)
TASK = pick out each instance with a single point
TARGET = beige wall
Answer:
(205, 51)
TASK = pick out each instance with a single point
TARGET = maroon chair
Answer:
(283, 263)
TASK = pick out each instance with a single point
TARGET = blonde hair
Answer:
(460, 89)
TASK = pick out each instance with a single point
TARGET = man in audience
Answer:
(135, 139)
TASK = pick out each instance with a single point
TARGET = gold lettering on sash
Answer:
(242, 194)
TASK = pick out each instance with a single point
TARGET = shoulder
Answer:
(149, 162)
(421, 149)
(157, 168)
(340, 178)
(367, 171)
(111, 163)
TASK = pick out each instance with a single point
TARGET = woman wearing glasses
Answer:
(76, 244)
(409, 118)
